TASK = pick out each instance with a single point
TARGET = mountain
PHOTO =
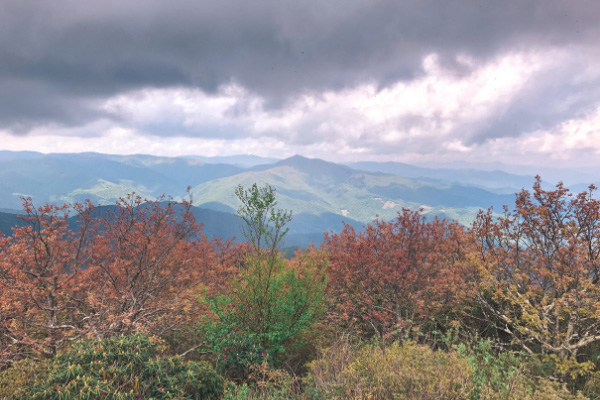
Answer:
(6, 155)
(321, 194)
(316, 187)
(11, 211)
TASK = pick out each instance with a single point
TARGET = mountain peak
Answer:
(317, 169)
(303, 163)
(296, 158)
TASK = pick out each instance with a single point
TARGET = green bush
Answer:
(504, 375)
(16, 382)
(272, 308)
(128, 367)
(265, 317)
(496, 375)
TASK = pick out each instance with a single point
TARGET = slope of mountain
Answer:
(8, 221)
(61, 178)
(6, 155)
(11, 211)
(317, 187)
(499, 181)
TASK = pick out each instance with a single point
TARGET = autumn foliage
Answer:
(129, 268)
(394, 278)
(541, 265)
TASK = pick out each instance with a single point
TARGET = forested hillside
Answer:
(321, 194)
(134, 301)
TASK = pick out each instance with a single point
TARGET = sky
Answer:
(417, 81)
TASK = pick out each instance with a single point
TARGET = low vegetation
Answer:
(134, 302)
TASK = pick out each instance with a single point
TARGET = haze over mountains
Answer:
(321, 194)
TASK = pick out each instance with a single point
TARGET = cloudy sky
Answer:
(515, 81)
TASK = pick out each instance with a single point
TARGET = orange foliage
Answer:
(133, 267)
(543, 268)
(40, 271)
(398, 275)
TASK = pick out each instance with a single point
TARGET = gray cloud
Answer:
(549, 98)
(59, 59)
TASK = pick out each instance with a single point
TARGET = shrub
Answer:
(412, 371)
(263, 318)
(16, 382)
(591, 387)
(407, 371)
(503, 375)
(547, 390)
(495, 375)
(539, 275)
(266, 384)
(103, 272)
(128, 367)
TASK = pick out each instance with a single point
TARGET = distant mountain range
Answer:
(321, 194)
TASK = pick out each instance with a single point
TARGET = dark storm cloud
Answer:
(25, 105)
(59, 59)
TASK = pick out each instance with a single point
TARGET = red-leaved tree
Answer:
(40, 270)
(395, 277)
(136, 266)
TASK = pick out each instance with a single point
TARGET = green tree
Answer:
(264, 223)
(272, 306)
